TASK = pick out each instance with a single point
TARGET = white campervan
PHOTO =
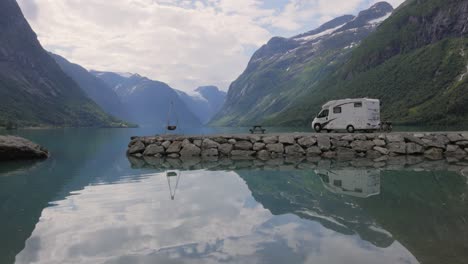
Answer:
(350, 115)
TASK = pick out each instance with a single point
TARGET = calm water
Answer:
(86, 204)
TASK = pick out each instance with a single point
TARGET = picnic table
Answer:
(257, 130)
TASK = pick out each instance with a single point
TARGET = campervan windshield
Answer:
(323, 114)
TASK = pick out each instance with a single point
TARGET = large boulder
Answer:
(209, 144)
(286, 139)
(225, 149)
(294, 150)
(397, 147)
(175, 147)
(307, 141)
(413, 148)
(277, 148)
(243, 145)
(153, 149)
(137, 147)
(16, 148)
(362, 146)
(270, 139)
(190, 150)
(323, 143)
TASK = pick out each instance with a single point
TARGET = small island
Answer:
(17, 148)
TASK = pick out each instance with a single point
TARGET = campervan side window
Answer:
(357, 105)
(323, 114)
(337, 110)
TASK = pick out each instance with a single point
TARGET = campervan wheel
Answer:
(318, 128)
(350, 129)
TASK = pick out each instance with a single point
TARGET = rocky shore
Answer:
(17, 148)
(452, 146)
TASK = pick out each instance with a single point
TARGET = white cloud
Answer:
(185, 43)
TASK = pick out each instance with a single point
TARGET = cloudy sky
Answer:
(185, 43)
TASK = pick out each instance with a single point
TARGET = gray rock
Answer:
(225, 149)
(382, 151)
(270, 139)
(166, 144)
(258, 146)
(395, 138)
(185, 142)
(294, 150)
(462, 144)
(232, 141)
(307, 141)
(360, 137)
(242, 153)
(347, 138)
(379, 142)
(153, 149)
(433, 143)
(254, 138)
(324, 143)
(209, 144)
(397, 147)
(329, 154)
(339, 143)
(413, 148)
(174, 155)
(175, 147)
(314, 151)
(263, 154)
(190, 150)
(243, 145)
(137, 147)
(197, 142)
(277, 148)
(442, 139)
(434, 154)
(210, 152)
(452, 148)
(17, 148)
(414, 139)
(362, 146)
(454, 137)
(286, 139)
(220, 140)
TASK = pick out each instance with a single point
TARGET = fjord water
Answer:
(86, 204)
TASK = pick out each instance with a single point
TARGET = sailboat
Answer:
(173, 175)
(172, 127)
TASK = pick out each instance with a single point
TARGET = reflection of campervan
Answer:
(349, 114)
(356, 182)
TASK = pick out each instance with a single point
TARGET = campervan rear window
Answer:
(337, 110)
(357, 105)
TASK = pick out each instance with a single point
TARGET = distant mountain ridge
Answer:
(286, 69)
(149, 102)
(205, 102)
(95, 88)
(33, 89)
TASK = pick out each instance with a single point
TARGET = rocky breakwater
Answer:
(17, 148)
(432, 146)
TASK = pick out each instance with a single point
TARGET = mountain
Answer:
(286, 69)
(33, 88)
(149, 102)
(95, 88)
(205, 102)
(416, 63)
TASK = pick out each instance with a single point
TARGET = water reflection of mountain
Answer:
(425, 211)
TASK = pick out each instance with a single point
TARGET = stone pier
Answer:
(452, 146)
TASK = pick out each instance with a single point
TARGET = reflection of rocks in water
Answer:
(13, 168)
(414, 163)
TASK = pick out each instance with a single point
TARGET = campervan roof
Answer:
(348, 100)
